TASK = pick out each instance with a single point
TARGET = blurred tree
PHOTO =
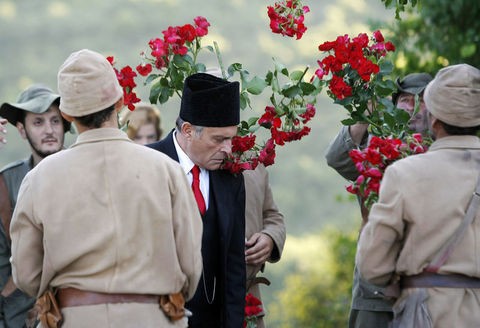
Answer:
(399, 5)
(436, 34)
(317, 296)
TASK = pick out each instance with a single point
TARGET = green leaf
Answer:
(388, 119)
(349, 121)
(184, 62)
(307, 88)
(244, 125)
(235, 67)
(252, 121)
(244, 100)
(292, 91)
(209, 48)
(164, 95)
(401, 116)
(151, 77)
(253, 128)
(164, 82)
(280, 110)
(386, 103)
(279, 67)
(200, 67)
(296, 75)
(386, 67)
(269, 78)
(155, 92)
(383, 91)
(178, 83)
(275, 85)
(256, 86)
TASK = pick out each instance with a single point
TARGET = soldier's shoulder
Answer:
(13, 165)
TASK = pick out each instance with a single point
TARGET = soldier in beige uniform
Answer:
(109, 225)
(264, 230)
(423, 201)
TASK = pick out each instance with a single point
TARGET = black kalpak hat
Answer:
(210, 101)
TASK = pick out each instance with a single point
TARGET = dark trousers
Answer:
(205, 319)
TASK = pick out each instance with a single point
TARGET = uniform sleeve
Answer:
(188, 231)
(337, 154)
(380, 240)
(27, 244)
(273, 223)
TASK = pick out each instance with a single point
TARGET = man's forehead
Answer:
(406, 95)
(53, 110)
(226, 131)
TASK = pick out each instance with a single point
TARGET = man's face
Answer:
(44, 132)
(211, 146)
(418, 122)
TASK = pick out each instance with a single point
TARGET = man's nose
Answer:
(227, 146)
(49, 127)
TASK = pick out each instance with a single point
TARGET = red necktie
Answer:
(196, 189)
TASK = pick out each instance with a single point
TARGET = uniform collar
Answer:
(456, 142)
(101, 134)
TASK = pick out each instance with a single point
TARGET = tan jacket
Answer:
(262, 215)
(107, 215)
(423, 200)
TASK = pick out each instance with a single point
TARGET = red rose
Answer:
(144, 69)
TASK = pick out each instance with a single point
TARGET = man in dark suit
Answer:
(208, 119)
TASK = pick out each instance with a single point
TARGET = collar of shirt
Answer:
(187, 165)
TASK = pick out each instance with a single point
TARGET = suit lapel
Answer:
(223, 204)
(166, 146)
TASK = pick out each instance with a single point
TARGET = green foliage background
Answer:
(436, 33)
(311, 284)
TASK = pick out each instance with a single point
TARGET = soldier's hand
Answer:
(258, 248)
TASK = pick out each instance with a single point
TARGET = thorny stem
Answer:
(219, 59)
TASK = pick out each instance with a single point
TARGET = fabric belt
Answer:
(67, 297)
(428, 280)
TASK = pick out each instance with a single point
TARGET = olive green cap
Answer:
(36, 99)
(414, 84)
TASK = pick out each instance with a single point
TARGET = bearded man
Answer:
(37, 117)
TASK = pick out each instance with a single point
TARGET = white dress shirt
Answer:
(187, 165)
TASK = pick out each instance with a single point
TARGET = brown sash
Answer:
(47, 311)
(429, 280)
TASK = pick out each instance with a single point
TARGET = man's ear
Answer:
(21, 130)
(437, 128)
(67, 117)
(187, 130)
(119, 105)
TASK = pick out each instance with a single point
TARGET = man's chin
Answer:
(214, 165)
(48, 151)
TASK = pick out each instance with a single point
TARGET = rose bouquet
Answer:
(287, 17)
(356, 73)
(372, 161)
(253, 307)
(285, 118)
(173, 57)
